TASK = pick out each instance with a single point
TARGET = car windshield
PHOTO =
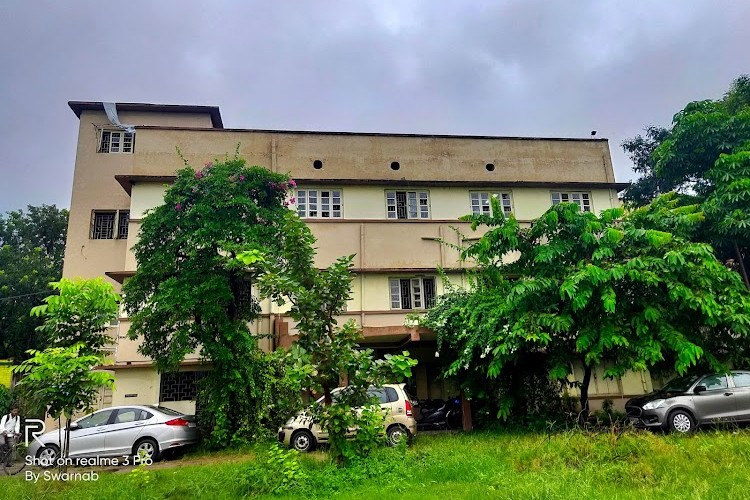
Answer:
(680, 384)
(166, 411)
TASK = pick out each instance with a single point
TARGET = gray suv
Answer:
(689, 401)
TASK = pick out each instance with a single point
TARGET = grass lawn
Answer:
(710, 464)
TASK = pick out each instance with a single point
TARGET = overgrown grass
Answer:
(710, 464)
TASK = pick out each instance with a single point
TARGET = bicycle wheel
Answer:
(16, 462)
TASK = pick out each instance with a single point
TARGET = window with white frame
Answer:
(319, 203)
(407, 204)
(480, 202)
(412, 293)
(109, 224)
(116, 141)
(581, 199)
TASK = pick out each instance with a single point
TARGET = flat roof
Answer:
(382, 134)
(79, 106)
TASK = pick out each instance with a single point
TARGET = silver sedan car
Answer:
(144, 431)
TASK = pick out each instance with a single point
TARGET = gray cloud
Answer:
(473, 67)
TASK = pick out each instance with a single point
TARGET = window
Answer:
(741, 379)
(123, 220)
(379, 393)
(412, 293)
(714, 382)
(125, 415)
(316, 204)
(96, 419)
(480, 202)
(145, 415)
(116, 141)
(583, 200)
(106, 224)
(179, 386)
(407, 204)
(392, 395)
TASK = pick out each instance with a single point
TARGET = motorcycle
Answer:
(439, 415)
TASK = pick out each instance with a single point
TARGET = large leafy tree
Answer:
(701, 157)
(191, 293)
(599, 290)
(324, 351)
(640, 149)
(32, 244)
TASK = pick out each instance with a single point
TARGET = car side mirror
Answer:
(700, 388)
(74, 426)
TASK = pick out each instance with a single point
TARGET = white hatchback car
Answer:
(303, 434)
(121, 431)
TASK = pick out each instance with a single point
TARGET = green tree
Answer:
(191, 293)
(79, 314)
(63, 380)
(691, 158)
(325, 351)
(640, 149)
(599, 290)
(32, 245)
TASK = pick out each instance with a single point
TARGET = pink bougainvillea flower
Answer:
(292, 183)
(178, 206)
(292, 200)
(209, 164)
(198, 174)
(242, 177)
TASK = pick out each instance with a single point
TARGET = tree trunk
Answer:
(743, 270)
(67, 444)
(584, 415)
(327, 398)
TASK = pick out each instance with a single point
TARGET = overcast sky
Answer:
(528, 68)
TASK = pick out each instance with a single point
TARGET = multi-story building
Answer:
(388, 198)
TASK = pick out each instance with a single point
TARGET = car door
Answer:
(717, 401)
(127, 425)
(742, 394)
(88, 438)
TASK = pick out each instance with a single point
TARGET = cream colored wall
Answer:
(352, 156)
(142, 382)
(619, 390)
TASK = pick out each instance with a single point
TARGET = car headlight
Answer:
(652, 405)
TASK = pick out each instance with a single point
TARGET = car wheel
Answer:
(303, 441)
(681, 421)
(47, 455)
(146, 448)
(396, 434)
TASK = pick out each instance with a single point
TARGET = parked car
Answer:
(121, 431)
(303, 434)
(690, 401)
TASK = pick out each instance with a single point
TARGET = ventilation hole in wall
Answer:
(317, 164)
(490, 167)
(395, 165)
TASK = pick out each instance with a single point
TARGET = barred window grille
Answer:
(104, 226)
(122, 224)
(179, 386)
(407, 204)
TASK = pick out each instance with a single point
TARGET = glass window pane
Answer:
(741, 379)
(714, 382)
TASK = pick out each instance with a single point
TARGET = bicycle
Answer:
(13, 457)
